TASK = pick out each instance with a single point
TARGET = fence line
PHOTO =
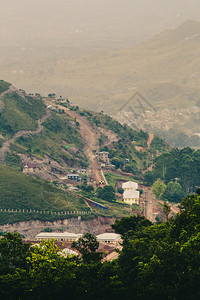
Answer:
(44, 212)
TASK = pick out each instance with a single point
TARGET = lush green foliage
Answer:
(87, 245)
(156, 262)
(158, 188)
(182, 165)
(107, 193)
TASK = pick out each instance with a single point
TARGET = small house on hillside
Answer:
(131, 195)
(74, 177)
(29, 167)
(82, 171)
(103, 156)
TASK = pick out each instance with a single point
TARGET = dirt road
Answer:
(6, 145)
(150, 139)
(90, 139)
(151, 205)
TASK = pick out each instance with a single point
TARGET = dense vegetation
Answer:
(177, 165)
(157, 262)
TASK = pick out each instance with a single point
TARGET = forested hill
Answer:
(182, 166)
(156, 262)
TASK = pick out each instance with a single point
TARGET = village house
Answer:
(82, 171)
(28, 167)
(103, 156)
(74, 177)
(131, 195)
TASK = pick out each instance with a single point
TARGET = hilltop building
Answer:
(131, 195)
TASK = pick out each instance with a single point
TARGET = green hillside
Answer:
(130, 153)
(19, 111)
(57, 131)
(19, 191)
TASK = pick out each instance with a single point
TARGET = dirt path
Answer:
(151, 205)
(90, 139)
(150, 139)
(6, 145)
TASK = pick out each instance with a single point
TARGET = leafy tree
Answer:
(132, 224)
(173, 192)
(148, 178)
(87, 245)
(13, 253)
(158, 188)
(107, 193)
(120, 190)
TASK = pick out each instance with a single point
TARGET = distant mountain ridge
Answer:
(165, 70)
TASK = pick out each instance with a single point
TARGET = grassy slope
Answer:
(19, 191)
(57, 131)
(19, 114)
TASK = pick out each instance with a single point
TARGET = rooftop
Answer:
(130, 185)
(108, 236)
(57, 235)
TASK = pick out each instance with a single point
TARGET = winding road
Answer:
(6, 145)
(90, 138)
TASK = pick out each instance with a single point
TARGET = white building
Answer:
(109, 238)
(131, 195)
(130, 185)
(58, 236)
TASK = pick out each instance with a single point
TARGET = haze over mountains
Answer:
(165, 69)
(123, 22)
(96, 52)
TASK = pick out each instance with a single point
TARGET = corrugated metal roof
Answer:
(108, 237)
(130, 185)
(56, 235)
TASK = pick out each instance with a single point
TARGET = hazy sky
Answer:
(44, 21)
